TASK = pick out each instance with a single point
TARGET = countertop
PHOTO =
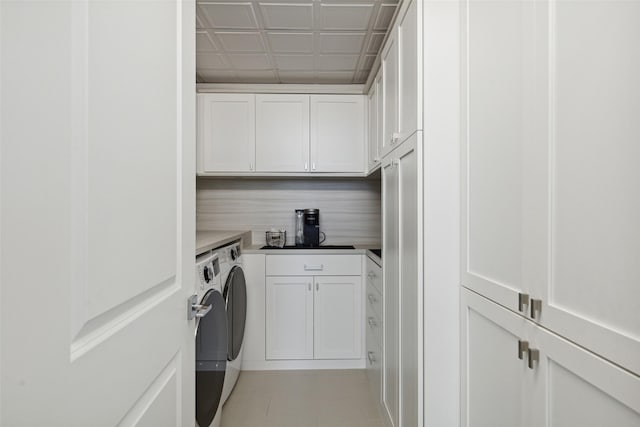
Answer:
(209, 239)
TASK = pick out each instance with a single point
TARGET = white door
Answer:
(226, 132)
(337, 133)
(495, 393)
(390, 294)
(409, 59)
(289, 319)
(410, 271)
(98, 149)
(282, 133)
(338, 317)
(389, 94)
(372, 123)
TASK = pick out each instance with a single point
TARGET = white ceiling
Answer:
(289, 41)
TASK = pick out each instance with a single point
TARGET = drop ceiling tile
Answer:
(204, 42)
(294, 62)
(236, 15)
(264, 76)
(291, 42)
(294, 77)
(241, 41)
(368, 62)
(385, 13)
(334, 77)
(337, 62)
(217, 76)
(375, 43)
(210, 60)
(341, 42)
(345, 16)
(250, 61)
(287, 16)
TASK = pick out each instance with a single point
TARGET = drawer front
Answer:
(374, 366)
(374, 300)
(374, 275)
(374, 326)
(314, 265)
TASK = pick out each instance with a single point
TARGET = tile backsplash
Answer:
(350, 208)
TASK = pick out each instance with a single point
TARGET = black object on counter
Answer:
(312, 247)
(377, 252)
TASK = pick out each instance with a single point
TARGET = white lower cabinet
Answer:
(374, 326)
(516, 373)
(316, 316)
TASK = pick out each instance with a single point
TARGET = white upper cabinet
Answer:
(389, 67)
(550, 171)
(409, 78)
(270, 134)
(282, 133)
(375, 112)
(337, 133)
(226, 132)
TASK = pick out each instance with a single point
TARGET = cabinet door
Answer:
(389, 94)
(590, 293)
(289, 328)
(338, 317)
(282, 133)
(372, 134)
(578, 388)
(498, 219)
(337, 133)
(410, 291)
(409, 64)
(226, 132)
(390, 291)
(494, 390)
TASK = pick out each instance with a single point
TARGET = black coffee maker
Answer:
(312, 228)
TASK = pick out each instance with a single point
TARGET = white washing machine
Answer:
(234, 291)
(211, 341)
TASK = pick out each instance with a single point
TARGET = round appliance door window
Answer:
(235, 294)
(211, 358)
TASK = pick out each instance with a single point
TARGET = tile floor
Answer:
(324, 398)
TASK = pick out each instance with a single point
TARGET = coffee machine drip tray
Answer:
(312, 247)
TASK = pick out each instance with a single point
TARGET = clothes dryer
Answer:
(211, 342)
(234, 292)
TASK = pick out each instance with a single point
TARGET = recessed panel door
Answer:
(98, 183)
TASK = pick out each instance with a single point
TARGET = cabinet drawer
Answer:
(314, 265)
(374, 366)
(374, 276)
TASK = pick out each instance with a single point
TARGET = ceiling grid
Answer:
(289, 41)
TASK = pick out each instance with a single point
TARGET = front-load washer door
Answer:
(211, 358)
(235, 294)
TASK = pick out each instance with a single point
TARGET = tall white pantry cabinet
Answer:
(550, 208)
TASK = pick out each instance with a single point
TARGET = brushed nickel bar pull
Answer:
(523, 299)
(523, 347)
(534, 356)
(536, 306)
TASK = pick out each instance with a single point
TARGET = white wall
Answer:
(349, 207)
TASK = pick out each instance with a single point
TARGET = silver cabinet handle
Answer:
(306, 166)
(534, 356)
(536, 306)
(317, 286)
(372, 357)
(523, 347)
(313, 267)
(313, 166)
(372, 322)
(523, 299)
(195, 310)
(371, 275)
(372, 299)
(309, 285)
